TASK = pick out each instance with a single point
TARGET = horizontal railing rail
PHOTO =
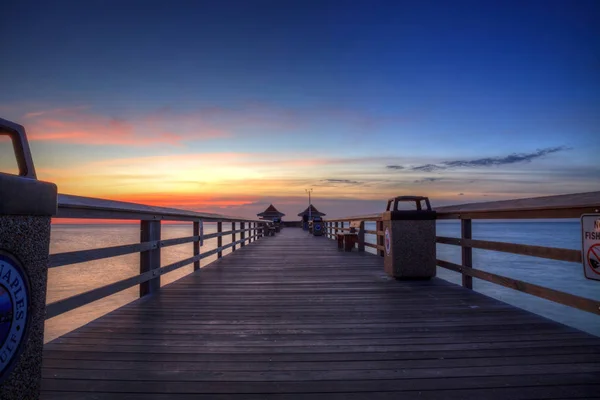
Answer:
(70, 206)
(149, 246)
(548, 207)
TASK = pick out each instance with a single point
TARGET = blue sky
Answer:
(347, 87)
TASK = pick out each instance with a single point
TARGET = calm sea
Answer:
(67, 281)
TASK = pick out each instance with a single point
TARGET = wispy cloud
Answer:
(510, 159)
(428, 168)
(513, 158)
(85, 125)
(78, 125)
(427, 180)
(345, 181)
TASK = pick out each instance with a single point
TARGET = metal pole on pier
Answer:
(309, 191)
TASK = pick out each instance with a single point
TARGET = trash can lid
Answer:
(417, 199)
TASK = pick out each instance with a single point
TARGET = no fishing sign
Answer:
(590, 250)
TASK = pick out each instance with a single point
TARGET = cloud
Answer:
(428, 168)
(462, 194)
(510, 159)
(426, 180)
(84, 125)
(345, 181)
(491, 161)
(397, 167)
(77, 125)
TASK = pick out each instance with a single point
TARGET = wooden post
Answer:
(361, 236)
(150, 260)
(233, 236)
(380, 239)
(220, 238)
(336, 228)
(196, 244)
(242, 233)
(467, 252)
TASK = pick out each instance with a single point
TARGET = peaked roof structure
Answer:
(313, 212)
(270, 212)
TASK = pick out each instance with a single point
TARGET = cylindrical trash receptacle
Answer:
(317, 227)
(409, 239)
(26, 205)
(305, 222)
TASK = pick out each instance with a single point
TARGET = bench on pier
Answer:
(270, 229)
(347, 240)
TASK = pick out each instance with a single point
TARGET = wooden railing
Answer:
(550, 207)
(149, 246)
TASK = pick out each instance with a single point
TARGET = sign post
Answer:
(590, 245)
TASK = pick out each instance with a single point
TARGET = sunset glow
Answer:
(393, 108)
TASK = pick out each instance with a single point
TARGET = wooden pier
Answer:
(292, 317)
(287, 316)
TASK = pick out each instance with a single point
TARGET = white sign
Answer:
(388, 241)
(590, 248)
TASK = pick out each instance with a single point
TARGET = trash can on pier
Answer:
(409, 239)
(317, 226)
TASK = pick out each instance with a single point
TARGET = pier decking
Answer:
(292, 317)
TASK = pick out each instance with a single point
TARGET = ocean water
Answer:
(69, 280)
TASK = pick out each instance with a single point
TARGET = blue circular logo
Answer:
(318, 227)
(14, 302)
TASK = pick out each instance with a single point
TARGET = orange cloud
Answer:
(79, 126)
(187, 201)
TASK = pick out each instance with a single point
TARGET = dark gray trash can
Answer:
(409, 239)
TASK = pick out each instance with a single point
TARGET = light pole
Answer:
(309, 191)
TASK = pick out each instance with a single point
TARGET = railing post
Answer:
(467, 252)
(220, 238)
(150, 260)
(233, 236)
(242, 233)
(196, 244)
(361, 236)
(336, 228)
(380, 239)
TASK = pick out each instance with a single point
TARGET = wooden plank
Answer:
(242, 234)
(233, 231)
(380, 240)
(368, 217)
(70, 206)
(571, 300)
(196, 249)
(74, 257)
(220, 238)
(466, 252)
(562, 206)
(292, 317)
(361, 236)
(552, 253)
(183, 240)
(150, 260)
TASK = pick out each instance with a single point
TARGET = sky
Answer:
(228, 106)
